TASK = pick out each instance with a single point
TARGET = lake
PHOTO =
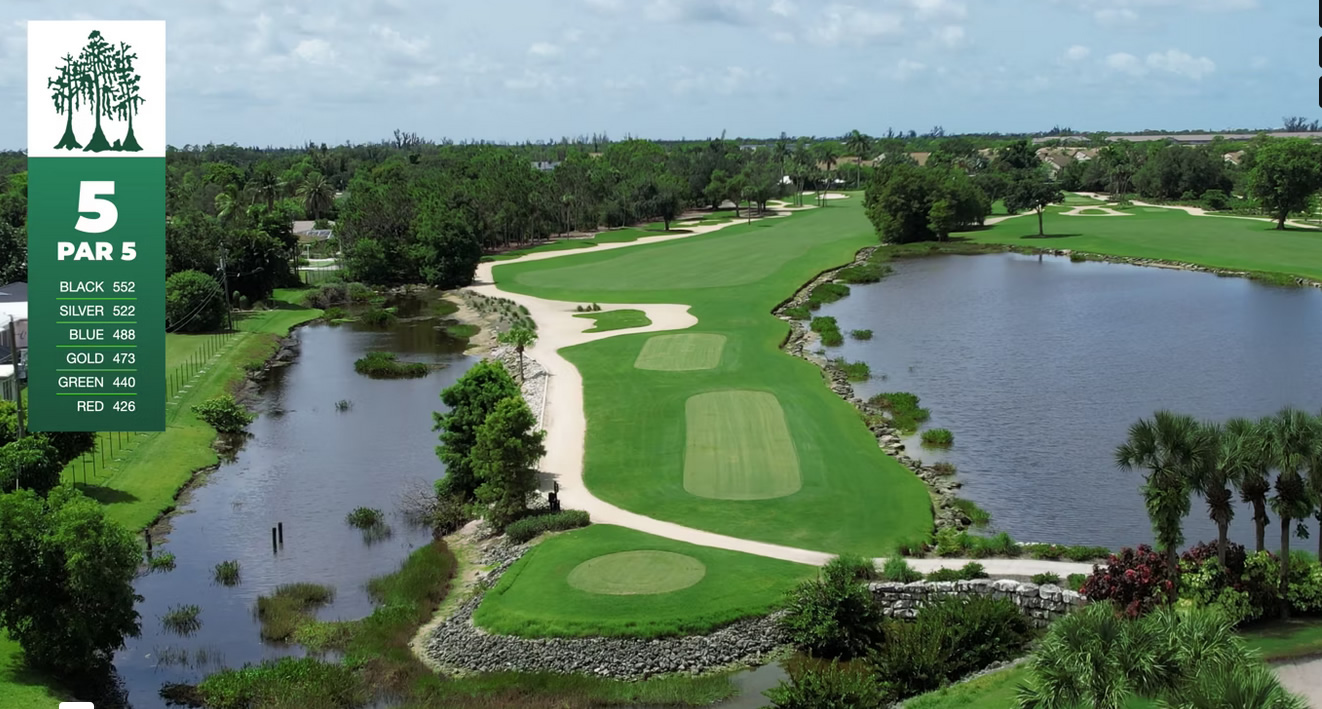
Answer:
(1039, 367)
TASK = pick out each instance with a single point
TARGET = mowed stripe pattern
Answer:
(738, 447)
(681, 353)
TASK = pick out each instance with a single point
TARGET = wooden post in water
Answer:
(280, 526)
(274, 548)
(147, 533)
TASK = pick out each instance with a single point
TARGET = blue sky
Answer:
(266, 72)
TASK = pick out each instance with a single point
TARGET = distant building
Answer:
(13, 304)
(545, 165)
(1207, 138)
(750, 148)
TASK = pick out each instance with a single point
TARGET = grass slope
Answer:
(534, 598)
(991, 691)
(616, 320)
(738, 447)
(1172, 235)
(144, 478)
(853, 498)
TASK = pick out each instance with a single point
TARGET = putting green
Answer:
(681, 353)
(738, 447)
(636, 573)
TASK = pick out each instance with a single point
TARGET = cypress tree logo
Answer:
(101, 80)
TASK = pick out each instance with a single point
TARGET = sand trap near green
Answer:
(738, 447)
(636, 573)
(685, 352)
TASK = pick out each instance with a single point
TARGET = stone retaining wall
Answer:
(1042, 604)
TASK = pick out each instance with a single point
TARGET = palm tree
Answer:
(266, 185)
(1292, 445)
(520, 338)
(317, 193)
(781, 151)
(859, 145)
(826, 155)
(1216, 475)
(1255, 479)
(1171, 446)
(1315, 483)
(1239, 686)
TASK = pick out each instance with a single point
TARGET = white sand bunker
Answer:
(1094, 211)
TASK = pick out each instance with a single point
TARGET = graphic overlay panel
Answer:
(96, 226)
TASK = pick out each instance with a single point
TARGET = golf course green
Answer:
(716, 427)
(607, 580)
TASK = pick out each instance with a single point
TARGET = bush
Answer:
(948, 640)
(376, 317)
(289, 607)
(943, 468)
(273, 683)
(1245, 589)
(1002, 544)
(821, 685)
(1215, 199)
(833, 616)
(967, 572)
(827, 293)
(854, 371)
(450, 514)
(978, 516)
(868, 272)
(224, 414)
(798, 313)
(851, 567)
(365, 517)
(1305, 595)
(1082, 553)
(829, 329)
(1044, 579)
(194, 302)
(938, 437)
(385, 365)
(1136, 580)
(520, 531)
(861, 334)
(1074, 582)
(897, 569)
(905, 413)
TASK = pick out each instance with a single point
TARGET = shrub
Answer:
(462, 332)
(833, 617)
(855, 371)
(182, 620)
(1135, 579)
(821, 685)
(1074, 582)
(833, 338)
(1215, 199)
(938, 437)
(528, 528)
(1045, 552)
(868, 272)
(944, 468)
(308, 681)
(861, 334)
(897, 569)
(968, 572)
(1305, 595)
(978, 516)
(850, 566)
(1245, 589)
(449, 514)
(949, 639)
(161, 562)
(952, 542)
(828, 293)
(365, 517)
(905, 413)
(334, 312)
(224, 414)
(376, 317)
(289, 607)
(1082, 553)
(385, 365)
(194, 302)
(1047, 578)
(798, 313)
(226, 573)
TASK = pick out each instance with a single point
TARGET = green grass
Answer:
(1172, 235)
(614, 236)
(637, 573)
(853, 498)
(1288, 639)
(681, 353)
(289, 607)
(535, 598)
(737, 447)
(616, 320)
(463, 332)
(992, 691)
(386, 365)
(21, 687)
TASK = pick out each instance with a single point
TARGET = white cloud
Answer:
(784, 8)
(628, 83)
(606, 6)
(943, 9)
(950, 35)
(315, 51)
(1259, 62)
(1116, 17)
(843, 24)
(727, 81)
(1127, 63)
(1180, 63)
(1077, 53)
(783, 37)
(544, 49)
(907, 69)
(398, 42)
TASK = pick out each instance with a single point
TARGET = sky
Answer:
(282, 72)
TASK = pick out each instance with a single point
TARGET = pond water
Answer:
(306, 465)
(1039, 367)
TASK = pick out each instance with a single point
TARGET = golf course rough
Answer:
(738, 447)
(637, 573)
(687, 352)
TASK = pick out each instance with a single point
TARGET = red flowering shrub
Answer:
(1135, 580)
(1235, 556)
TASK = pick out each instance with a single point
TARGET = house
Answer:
(1057, 158)
(545, 165)
(1234, 158)
(306, 231)
(1207, 138)
(1063, 139)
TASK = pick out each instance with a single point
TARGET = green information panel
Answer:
(96, 226)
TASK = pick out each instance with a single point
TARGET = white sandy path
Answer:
(566, 425)
(1303, 677)
(1105, 212)
(1196, 211)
